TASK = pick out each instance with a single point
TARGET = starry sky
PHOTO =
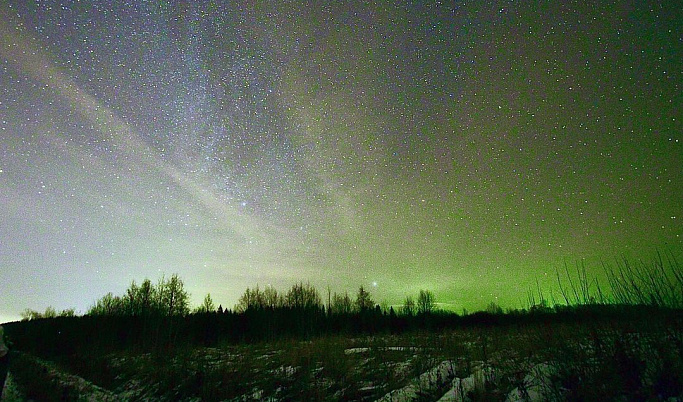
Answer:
(468, 148)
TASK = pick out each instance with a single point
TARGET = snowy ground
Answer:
(511, 365)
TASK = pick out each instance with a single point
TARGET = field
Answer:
(637, 356)
(292, 347)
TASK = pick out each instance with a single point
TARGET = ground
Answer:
(539, 362)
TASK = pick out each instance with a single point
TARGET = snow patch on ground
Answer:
(352, 351)
(536, 386)
(461, 387)
(429, 381)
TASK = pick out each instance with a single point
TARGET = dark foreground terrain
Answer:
(583, 356)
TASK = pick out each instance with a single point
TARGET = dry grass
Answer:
(632, 360)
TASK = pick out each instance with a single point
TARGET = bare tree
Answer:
(341, 304)
(173, 297)
(425, 302)
(146, 298)
(130, 299)
(207, 305)
(69, 312)
(50, 312)
(29, 314)
(408, 307)
(244, 303)
(251, 299)
(303, 296)
(271, 298)
(107, 305)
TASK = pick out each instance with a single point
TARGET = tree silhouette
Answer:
(107, 305)
(130, 300)
(271, 298)
(341, 304)
(303, 297)
(408, 308)
(173, 297)
(425, 302)
(494, 308)
(146, 298)
(251, 299)
(207, 305)
(363, 301)
(50, 312)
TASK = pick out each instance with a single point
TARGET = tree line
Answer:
(168, 297)
(157, 316)
(306, 297)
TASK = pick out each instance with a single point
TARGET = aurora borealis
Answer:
(468, 148)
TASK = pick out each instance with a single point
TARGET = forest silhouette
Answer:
(150, 316)
(299, 328)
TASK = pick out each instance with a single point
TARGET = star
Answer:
(465, 150)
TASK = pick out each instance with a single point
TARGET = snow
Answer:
(504, 376)
(430, 380)
(536, 386)
(286, 371)
(461, 387)
(352, 351)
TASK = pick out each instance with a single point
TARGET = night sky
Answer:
(467, 148)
